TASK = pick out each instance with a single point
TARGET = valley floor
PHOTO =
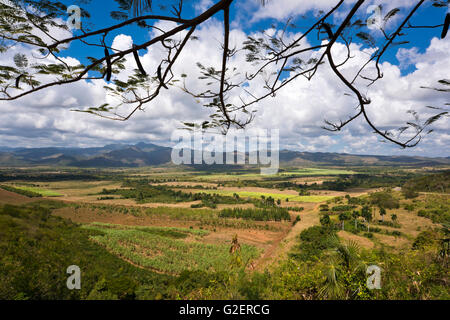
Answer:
(171, 224)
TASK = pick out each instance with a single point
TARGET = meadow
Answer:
(311, 172)
(42, 192)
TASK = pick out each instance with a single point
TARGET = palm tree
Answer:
(382, 213)
(355, 216)
(342, 217)
(344, 264)
(367, 214)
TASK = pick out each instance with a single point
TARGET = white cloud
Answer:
(284, 9)
(298, 110)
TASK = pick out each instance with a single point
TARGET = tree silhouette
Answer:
(355, 215)
(366, 213)
(277, 60)
(343, 217)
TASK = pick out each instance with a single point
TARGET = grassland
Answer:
(310, 172)
(42, 192)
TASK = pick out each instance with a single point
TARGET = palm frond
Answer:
(349, 253)
(332, 287)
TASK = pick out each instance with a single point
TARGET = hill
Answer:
(148, 154)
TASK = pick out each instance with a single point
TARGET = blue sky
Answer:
(101, 18)
(298, 111)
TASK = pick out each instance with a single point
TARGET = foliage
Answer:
(297, 219)
(266, 195)
(343, 208)
(384, 199)
(374, 180)
(436, 208)
(424, 239)
(325, 220)
(296, 209)
(313, 241)
(37, 248)
(266, 214)
(143, 193)
(439, 182)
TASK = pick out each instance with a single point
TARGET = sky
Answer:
(46, 118)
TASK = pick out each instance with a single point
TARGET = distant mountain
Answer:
(302, 158)
(116, 155)
(147, 154)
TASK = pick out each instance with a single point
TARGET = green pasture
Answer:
(42, 192)
(307, 172)
(315, 172)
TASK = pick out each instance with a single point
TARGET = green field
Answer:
(42, 192)
(227, 177)
(303, 172)
(316, 172)
(276, 196)
(166, 249)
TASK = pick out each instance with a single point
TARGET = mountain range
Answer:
(148, 154)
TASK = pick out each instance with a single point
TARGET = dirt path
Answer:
(280, 249)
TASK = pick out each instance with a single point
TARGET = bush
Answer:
(297, 219)
(313, 241)
(343, 208)
(325, 220)
(296, 209)
(423, 239)
(265, 214)
(384, 199)
(409, 193)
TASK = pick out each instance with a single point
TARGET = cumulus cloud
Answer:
(284, 9)
(298, 110)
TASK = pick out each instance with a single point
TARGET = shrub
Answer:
(265, 214)
(423, 239)
(297, 219)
